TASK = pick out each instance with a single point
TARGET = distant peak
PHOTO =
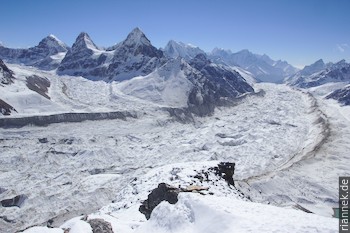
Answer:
(83, 35)
(136, 36)
(52, 37)
(137, 30)
(341, 61)
(320, 61)
(245, 51)
(217, 50)
(84, 40)
(52, 41)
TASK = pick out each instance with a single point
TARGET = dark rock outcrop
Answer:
(215, 85)
(163, 192)
(79, 60)
(342, 95)
(2, 190)
(6, 75)
(5, 108)
(15, 201)
(319, 73)
(43, 140)
(39, 85)
(64, 117)
(100, 226)
(225, 170)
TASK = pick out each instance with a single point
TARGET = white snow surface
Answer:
(195, 213)
(289, 147)
(84, 166)
(167, 86)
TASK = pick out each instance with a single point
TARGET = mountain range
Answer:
(209, 77)
(132, 57)
(143, 71)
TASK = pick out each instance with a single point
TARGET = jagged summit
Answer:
(320, 73)
(179, 49)
(136, 37)
(84, 41)
(315, 67)
(52, 44)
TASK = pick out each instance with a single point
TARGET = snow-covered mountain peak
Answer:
(315, 67)
(200, 61)
(320, 73)
(179, 49)
(53, 45)
(136, 37)
(84, 41)
(220, 53)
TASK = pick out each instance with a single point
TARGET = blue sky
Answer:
(298, 31)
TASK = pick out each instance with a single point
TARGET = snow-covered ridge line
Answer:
(64, 117)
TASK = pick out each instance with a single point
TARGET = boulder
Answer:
(100, 226)
(163, 192)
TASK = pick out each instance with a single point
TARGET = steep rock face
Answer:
(216, 85)
(319, 73)
(84, 59)
(199, 85)
(178, 49)
(46, 55)
(314, 68)
(132, 57)
(261, 66)
(342, 95)
(6, 75)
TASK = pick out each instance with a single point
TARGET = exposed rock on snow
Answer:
(319, 73)
(342, 95)
(216, 85)
(65, 117)
(163, 192)
(39, 85)
(5, 108)
(6, 75)
(99, 225)
(226, 170)
(15, 201)
(198, 86)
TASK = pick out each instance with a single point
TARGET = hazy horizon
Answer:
(297, 32)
